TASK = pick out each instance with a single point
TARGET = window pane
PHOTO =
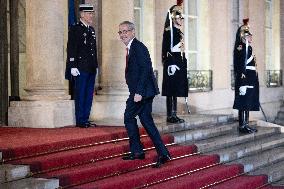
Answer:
(192, 61)
(268, 48)
(268, 19)
(137, 3)
(268, 35)
(192, 4)
(268, 39)
(137, 23)
(192, 35)
(235, 11)
(268, 62)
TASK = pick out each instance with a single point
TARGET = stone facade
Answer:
(44, 73)
(46, 103)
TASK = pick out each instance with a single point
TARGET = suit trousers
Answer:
(144, 111)
(83, 94)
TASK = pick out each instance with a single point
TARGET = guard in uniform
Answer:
(82, 64)
(175, 82)
(246, 78)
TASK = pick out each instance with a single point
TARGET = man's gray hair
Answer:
(131, 26)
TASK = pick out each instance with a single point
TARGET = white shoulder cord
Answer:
(246, 58)
(171, 26)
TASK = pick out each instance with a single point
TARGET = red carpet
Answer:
(44, 140)
(91, 158)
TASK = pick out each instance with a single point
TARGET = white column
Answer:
(45, 42)
(110, 102)
(46, 103)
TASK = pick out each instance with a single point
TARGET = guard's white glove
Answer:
(243, 89)
(75, 72)
(172, 69)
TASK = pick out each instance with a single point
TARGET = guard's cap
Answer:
(86, 8)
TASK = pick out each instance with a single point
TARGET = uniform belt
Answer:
(250, 68)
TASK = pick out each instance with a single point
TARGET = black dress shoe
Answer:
(91, 124)
(162, 160)
(134, 156)
(82, 125)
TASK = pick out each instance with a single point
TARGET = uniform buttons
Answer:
(92, 54)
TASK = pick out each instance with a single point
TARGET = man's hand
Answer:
(137, 97)
(75, 72)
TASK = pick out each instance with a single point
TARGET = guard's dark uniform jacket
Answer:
(81, 49)
(174, 85)
(249, 101)
(82, 54)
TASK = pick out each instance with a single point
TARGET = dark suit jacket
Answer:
(139, 74)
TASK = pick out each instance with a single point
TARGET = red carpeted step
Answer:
(148, 175)
(107, 167)
(246, 181)
(29, 141)
(82, 155)
(201, 178)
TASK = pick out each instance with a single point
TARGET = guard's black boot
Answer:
(174, 111)
(247, 122)
(170, 118)
(243, 127)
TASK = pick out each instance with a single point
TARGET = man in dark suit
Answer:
(82, 64)
(142, 87)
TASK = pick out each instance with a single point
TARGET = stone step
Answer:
(274, 171)
(13, 172)
(207, 119)
(192, 121)
(203, 133)
(280, 182)
(280, 115)
(279, 121)
(231, 139)
(265, 158)
(31, 183)
(247, 148)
